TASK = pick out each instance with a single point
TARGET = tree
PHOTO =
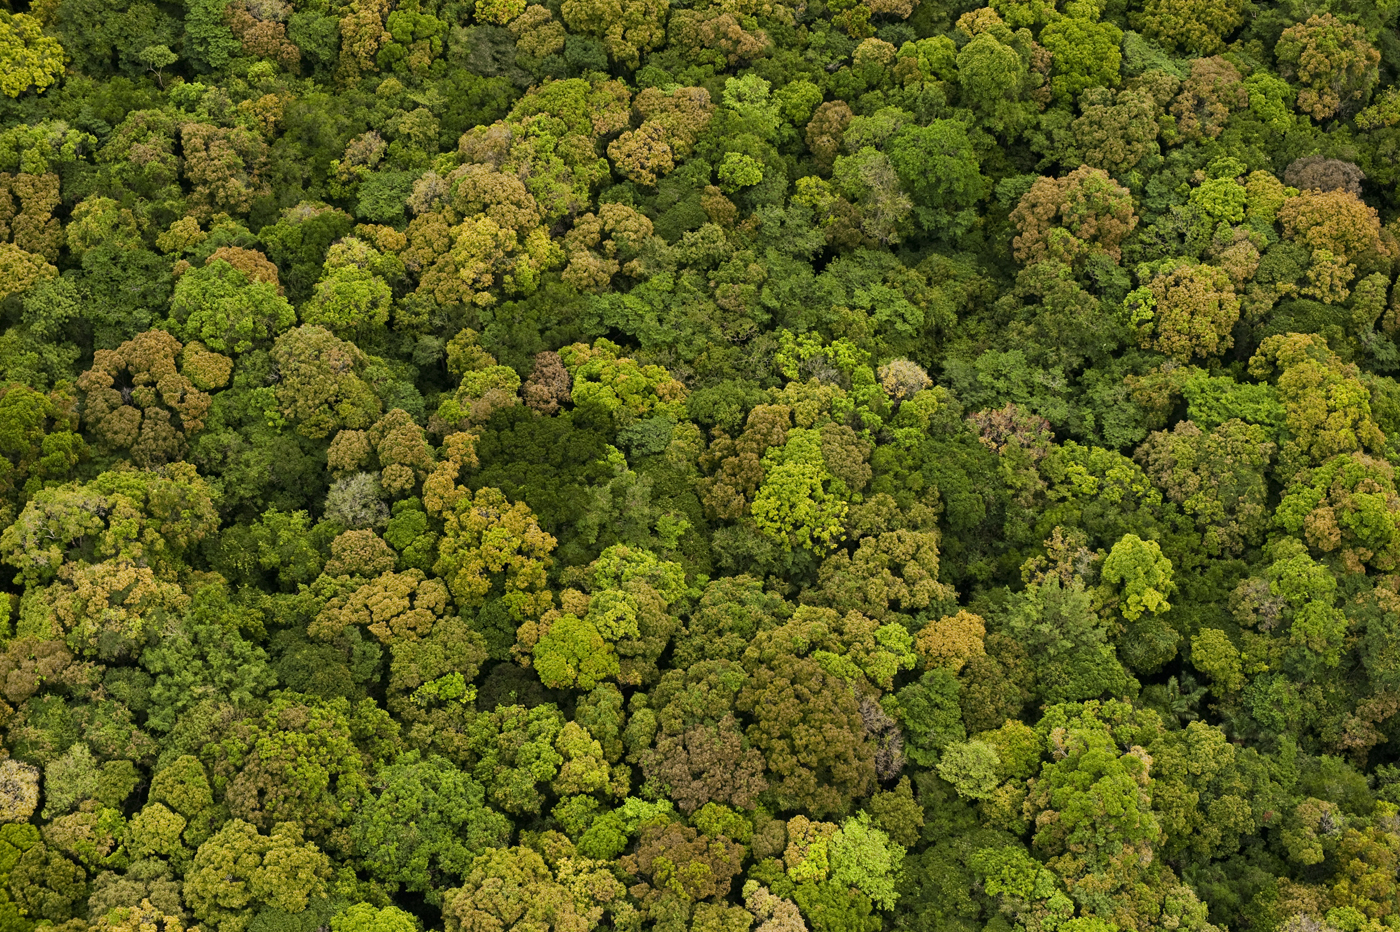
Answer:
(149, 394)
(620, 386)
(627, 29)
(1144, 573)
(196, 661)
(1214, 90)
(47, 885)
(1299, 590)
(792, 702)
(396, 444)
(1349, 506)
(101, 557)
(831, 907)
(675, 860)
(394, 606)
(717, 35)
(19, 791)
(1193, 26)
(929, 714)
(1332, 60)
(22, 270)
(28, 206)
(210, 42)
(938, 167)
(514, 888)
(353, 295)
(1217, 477)
(774, 913)
(239, 868)
(152, 517)
(1116, 132)
(571, 652)
(794, 503)
(1093, 804)
(1214, 655)
(825, 131)
(730, 611)
(863, 857)
(512, 754)
(1326, 407)
(1316, 173)
(144, 915)
(866, 185)
(1336, 225)
(852, 647)
(221, 306)
(1086, 54)
(972, 767)
(1068, 219)
(423, 824)
(38, 443)
(485, 239)
(995, 78)
(295, 763)
(548, 385)
(950, 641)
(224, 166)
(1205, 789)
(707, 764)
(493, 548)
(321, 387)
(485, 387)
(28, 58)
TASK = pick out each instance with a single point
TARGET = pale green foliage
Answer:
(973, 767)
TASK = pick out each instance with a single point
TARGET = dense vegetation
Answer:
(699, 464)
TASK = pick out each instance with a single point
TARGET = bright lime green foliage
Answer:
(28, 58)
(739, 171)
(349, 300)
(794, 504)
(573, 653)
(1214, 655)
(620, 386)
(1011, 872)
(1309, 592)
(362, 917)
(1221, 199)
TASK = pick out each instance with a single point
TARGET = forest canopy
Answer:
(699, 466)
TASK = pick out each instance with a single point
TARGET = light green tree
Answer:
(28, 58)
(1140, 573)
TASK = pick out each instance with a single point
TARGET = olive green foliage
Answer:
(744, 466)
